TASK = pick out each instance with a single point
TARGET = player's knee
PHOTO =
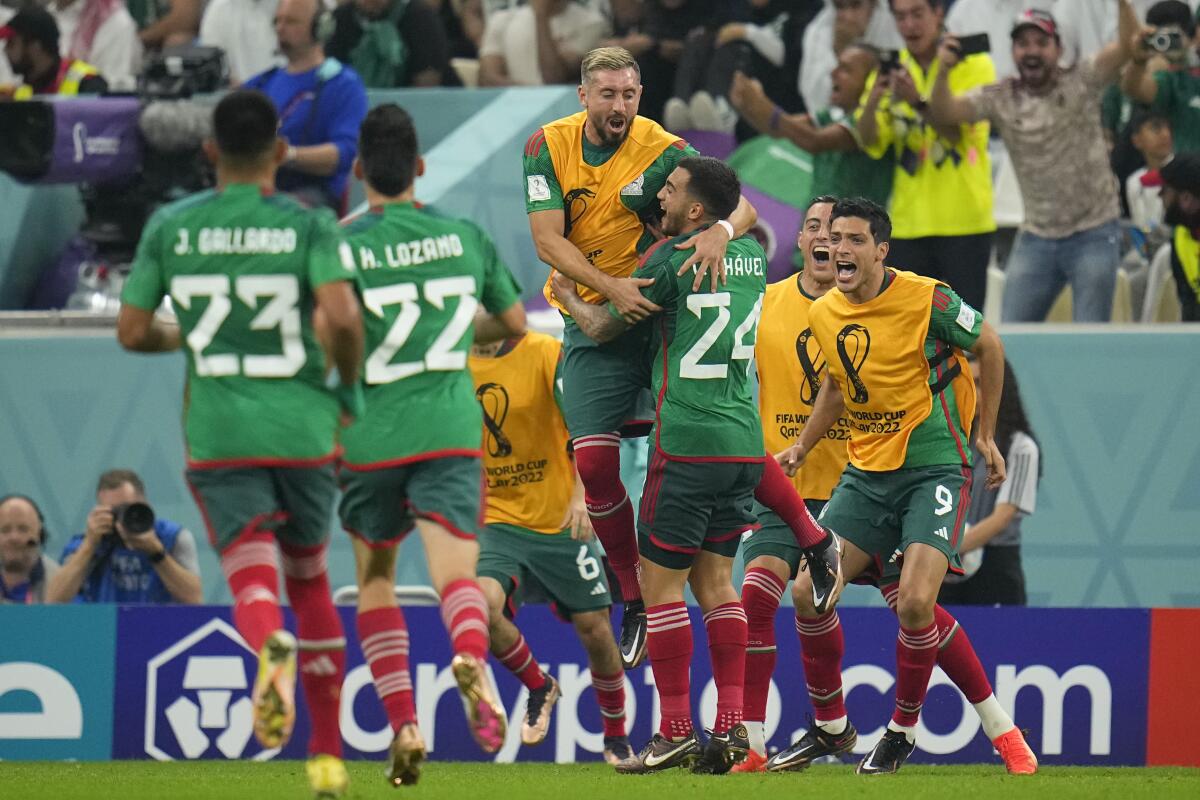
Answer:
(594, 630)
(376, 592)
(599, 468)
(493, 592)
(914, 607)
(802, 597)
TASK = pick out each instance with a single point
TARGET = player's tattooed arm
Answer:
(827, 408)
(990, 350)
(596, 322)
(141, 331)
(710, 246)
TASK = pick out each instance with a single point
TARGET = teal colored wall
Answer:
(1118, 514)
(471, 140)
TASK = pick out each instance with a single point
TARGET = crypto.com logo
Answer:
(201, 683)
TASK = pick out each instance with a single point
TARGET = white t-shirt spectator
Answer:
(819, 59)
(245, 30)
(7, 78)
(115, 49)
(511, 34)
(1145, 201)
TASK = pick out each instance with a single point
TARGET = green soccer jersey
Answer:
(940, 438)
(539, 165)
(422, 276)
(240, 267)
(702, 354)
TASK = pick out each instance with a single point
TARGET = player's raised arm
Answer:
(827, 409)
(990, 351)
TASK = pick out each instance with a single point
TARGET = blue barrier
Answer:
(173, 683)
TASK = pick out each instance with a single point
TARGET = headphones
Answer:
(323, 23)
(36, 509)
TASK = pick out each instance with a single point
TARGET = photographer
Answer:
(1049, 119)
(125, 555)
(1174, 91)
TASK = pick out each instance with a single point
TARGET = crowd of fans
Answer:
(1084, 101)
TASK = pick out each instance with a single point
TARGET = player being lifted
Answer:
(707, 457)
(591, 180)
(790, 369)
(413, 458)
(893, 342)
(243, 268)
(537, 530)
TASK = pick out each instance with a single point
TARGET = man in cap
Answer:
(31, 43)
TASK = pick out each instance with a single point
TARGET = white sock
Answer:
(910, 733)
(758, 739)
(994, 718)
(834, 726)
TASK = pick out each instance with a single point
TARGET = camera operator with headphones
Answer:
(125, 555)
(321, 104)
(24, 567)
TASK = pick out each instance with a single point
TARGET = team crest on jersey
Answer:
(634, 187)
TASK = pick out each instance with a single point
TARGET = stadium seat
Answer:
(1062, 308)
(1122, 306)
(996, 279)
(1161, 303)
(405, 596)
(467, 70)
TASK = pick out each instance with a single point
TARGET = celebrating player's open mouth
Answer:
(616, 124)
(846, 270)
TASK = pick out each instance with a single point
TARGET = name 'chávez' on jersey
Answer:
(240, 266)
(422, 276)
(702, 354)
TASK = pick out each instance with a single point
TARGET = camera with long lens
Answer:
(135, 518)
(1166, 40)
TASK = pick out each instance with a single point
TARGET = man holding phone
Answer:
(1049, 118)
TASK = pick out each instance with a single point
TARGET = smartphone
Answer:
(974, 44)
(889, 61)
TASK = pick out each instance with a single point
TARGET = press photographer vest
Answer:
(70, 75)
(789, 363)
(876, 351)
(1187, 250)
(597, 222)
(529, 472)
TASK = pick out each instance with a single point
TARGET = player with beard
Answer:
(1181, 202)
(1049, 119)
(591, 183)
(788, 358)
(896, 371)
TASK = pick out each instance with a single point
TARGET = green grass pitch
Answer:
(285, 780)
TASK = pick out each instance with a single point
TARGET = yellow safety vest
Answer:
(1187, 250)
(68, 81)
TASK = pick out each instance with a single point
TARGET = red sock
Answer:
(322, 643)
(669, 642)
(384, 638)
(249, 566)
(957, 658)
(598, 459)
(464, 613)
(956, 654)
(610, 696)
(822, 646)
(726, 626)
(761, 593)
(916, 653)
(777, 492)
(520, 662)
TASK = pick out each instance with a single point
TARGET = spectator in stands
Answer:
(1049, 118)
(109, 563)
(991, 547)
(6, 73)
(1151, 133)
(101, 33)
(1174, 91)
(1181, 198)
(391, 43)
(31, 44)
(540, 43)
(993, 17)
(462, 20)
(840, 24)
(840, 168)
(24, 567)
(321, 103)
(1089, 25)
(245, 30)
(764, 43)
(163, 23)
(942, 195)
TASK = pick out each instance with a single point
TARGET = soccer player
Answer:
(591, 183)
(244, 268)
(413, 459)
(895, 368)
(537, 531)
(706, 461)
(789, 359)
